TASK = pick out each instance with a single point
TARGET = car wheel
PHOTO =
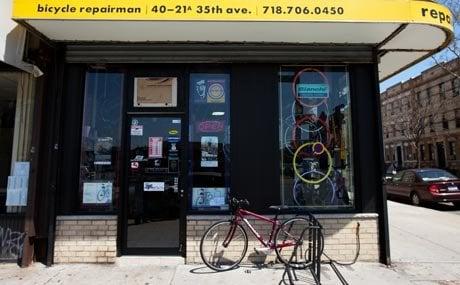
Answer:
(456, 204)
(415, 199)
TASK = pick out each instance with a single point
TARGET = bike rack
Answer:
(315, 249)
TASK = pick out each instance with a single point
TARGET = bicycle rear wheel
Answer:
(296, 231)
(223, 246)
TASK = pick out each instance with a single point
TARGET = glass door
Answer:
(155, 196)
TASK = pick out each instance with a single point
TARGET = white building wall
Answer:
(12, 38)
(7, 27)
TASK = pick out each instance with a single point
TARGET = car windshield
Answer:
(433, 175)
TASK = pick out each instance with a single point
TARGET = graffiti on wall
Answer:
(11, 243)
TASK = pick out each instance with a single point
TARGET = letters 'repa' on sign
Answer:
(312, 90)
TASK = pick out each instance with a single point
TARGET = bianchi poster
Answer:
(209, 151)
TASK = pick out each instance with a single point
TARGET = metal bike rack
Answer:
(313, 235)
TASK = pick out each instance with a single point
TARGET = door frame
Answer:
(441, 154)
(125, 250)
(399, 155)
(161, 70)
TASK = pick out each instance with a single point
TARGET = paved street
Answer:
(425, 242)
(425, 251)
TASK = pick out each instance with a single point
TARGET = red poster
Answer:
(155, 147)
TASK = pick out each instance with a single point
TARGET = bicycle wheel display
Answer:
(223, 246)
(296, 231)
(313, 194)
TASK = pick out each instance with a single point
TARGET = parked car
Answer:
(425, 185)
(390, 171)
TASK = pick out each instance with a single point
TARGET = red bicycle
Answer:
(224, 244)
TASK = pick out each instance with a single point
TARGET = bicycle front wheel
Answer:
(223, 246)
(293, 242)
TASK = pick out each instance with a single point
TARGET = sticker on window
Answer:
(154, 186)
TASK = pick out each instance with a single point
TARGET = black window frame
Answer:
(71, 127)
(363, 122)
(207, 69)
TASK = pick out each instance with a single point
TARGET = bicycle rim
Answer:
(218, 256)
(291, 232)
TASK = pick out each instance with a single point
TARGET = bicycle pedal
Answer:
(263, 250)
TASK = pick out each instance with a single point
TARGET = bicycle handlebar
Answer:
(235, 203)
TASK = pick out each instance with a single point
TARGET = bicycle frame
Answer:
(240, 216)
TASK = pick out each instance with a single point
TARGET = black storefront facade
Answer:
(143, 142)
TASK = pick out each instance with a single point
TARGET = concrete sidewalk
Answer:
(424, 243)
(146, 271)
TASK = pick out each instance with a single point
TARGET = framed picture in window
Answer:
(155, 92)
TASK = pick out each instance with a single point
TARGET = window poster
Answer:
(16, 191)
(18, 184)
(103, 151)
(209, 198)
(209, 151)
(21, 168)
(97, 192)
(155, 92)
(209, 88)
(155, 147)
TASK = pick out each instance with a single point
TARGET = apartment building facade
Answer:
(421, 119)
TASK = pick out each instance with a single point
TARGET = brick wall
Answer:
(339, 233)
(85, 239)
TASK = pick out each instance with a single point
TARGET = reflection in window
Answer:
(315, 137)
(209, 137)
(101, 140)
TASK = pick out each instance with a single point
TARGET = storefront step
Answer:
(134, 260)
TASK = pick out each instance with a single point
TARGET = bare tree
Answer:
(453, 50)
(412, 122)
(418, 116)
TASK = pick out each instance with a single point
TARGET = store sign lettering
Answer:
(376, 11)
(439, 15)
(312, 90)
(86, 9)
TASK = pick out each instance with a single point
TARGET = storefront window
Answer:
(101, 141)
(209, 137)
(315, 137)
(8, 94)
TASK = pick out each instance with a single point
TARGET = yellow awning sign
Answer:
(369, 11)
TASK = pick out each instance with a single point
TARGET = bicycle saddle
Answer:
(278, 208)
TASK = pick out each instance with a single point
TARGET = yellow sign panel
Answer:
(398, 11)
